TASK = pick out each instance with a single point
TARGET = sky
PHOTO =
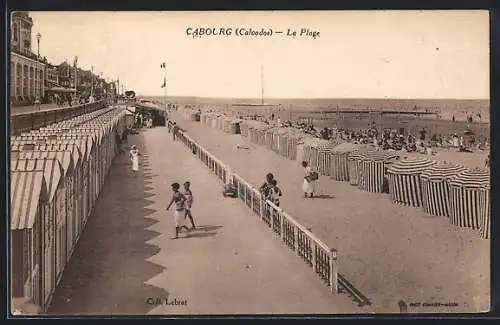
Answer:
(358, 54)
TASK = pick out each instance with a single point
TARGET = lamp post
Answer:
(39, 88)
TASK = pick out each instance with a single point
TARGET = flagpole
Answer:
(165, 84)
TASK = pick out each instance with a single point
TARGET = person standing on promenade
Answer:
(178, 199)
(310, 178)
(175, 129)
(134, 156)
(189, 202)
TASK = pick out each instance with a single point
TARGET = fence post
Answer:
(282, 217)
(314, 257)
(334, 269)
(296, 238)
(262, 205)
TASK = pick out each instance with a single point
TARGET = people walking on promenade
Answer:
(178, 199)
(310, 178)
(189, 202)
(134, 157)
(275, 193)
(175, 130)
(264, 188)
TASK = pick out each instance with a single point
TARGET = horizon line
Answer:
(315, 98)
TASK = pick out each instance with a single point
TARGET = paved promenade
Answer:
(386, 251)
(126, 263)
(33, 108)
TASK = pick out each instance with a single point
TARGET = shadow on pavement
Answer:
(107, 272)
(324, 196)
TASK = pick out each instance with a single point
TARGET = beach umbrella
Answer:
(404, 180)
(465, 190)
(435, 188)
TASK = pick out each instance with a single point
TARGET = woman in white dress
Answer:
(309, 184)
(134, 157)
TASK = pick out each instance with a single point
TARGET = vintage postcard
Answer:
(256, 163)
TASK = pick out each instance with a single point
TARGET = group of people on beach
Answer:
(271, 192)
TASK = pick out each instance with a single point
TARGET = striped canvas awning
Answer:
(81, 144)
(27, 190)
(441, 172)
(64, 158)
(471, 178)
(379, 155)
(53, 171)
(72, 148)
(357, 154)
(411, 166)
(346, 147)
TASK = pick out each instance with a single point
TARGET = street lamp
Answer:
(39, 88)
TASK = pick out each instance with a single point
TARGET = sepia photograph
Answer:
(249, 162)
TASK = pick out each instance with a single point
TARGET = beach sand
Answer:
(388, 252)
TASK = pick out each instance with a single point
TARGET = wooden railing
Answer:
(23, 122)
(316, 254)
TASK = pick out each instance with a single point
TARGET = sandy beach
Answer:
(388, 252)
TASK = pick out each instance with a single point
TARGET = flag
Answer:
(164, 83)
(75, 61)
(163, 65)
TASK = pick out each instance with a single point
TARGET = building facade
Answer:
(26, 68)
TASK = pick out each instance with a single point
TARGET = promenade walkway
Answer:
(33, 108)
(386, 251)
(126, 263)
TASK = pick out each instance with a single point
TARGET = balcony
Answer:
(28, 54)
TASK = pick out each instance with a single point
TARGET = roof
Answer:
(472, 179)
(414, 165)
(441, 172)
(85, 142)
(27, 190)
(53, 146)
(346, 147)
(81, 145)
(53, 171)
(64, 157)
(379, 155)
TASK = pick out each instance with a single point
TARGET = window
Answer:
(12, 79)
(19, 85)
(32, 82)
(25, 80)
(15, 32)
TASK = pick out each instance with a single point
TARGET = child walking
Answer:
(189, 202)
(179, 210)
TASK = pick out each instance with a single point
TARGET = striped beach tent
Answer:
(465, 189)
(485, 212)
(435, 188)
(353, 165)
(404, 180)
(324, 158)
(339, 170)
(373, 166)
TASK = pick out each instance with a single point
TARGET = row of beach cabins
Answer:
(57, 173)
(439, 188)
